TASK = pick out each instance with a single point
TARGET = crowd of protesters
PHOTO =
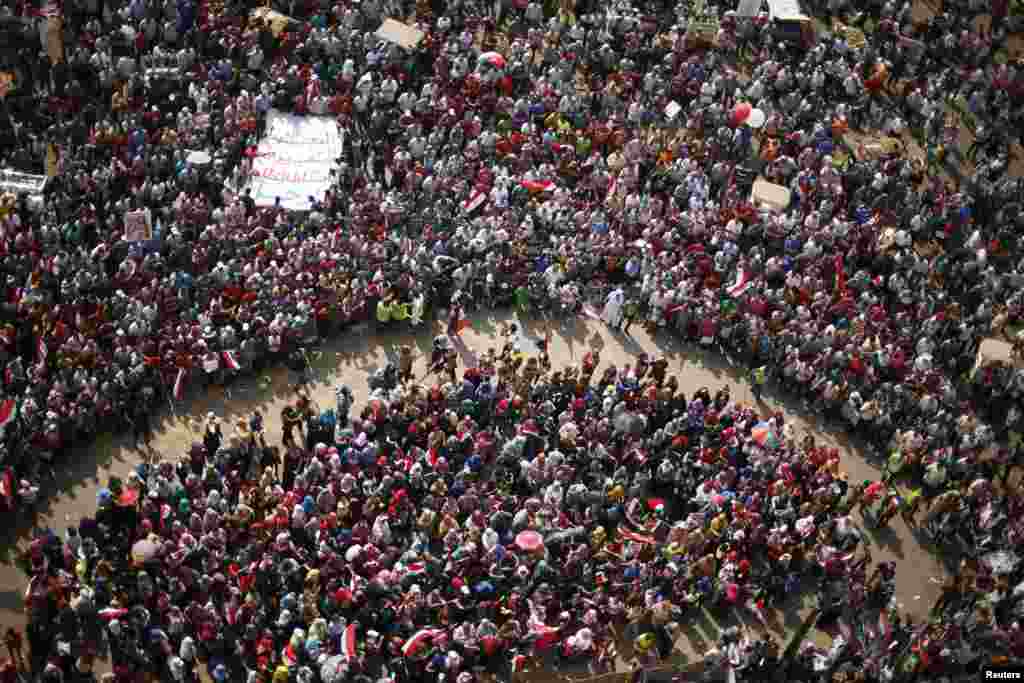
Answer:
(528, 154)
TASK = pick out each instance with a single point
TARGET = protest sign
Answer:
(55, 39)
(51, 160)
(138, 226)
(17, 182)
(295, 159)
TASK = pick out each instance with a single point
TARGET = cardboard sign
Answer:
(400, 34)
(51, 161)
(55, 39)
(771, 196)
(138, 226)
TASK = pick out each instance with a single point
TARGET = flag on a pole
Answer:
(230, 360)
(475, 201)
(179, 385)
(348, 642)
(840, 274)
(740, 285)
(418, 639)
(8, 412)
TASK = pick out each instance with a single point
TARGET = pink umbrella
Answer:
(740, 113)
(764, 435)
(529, 541)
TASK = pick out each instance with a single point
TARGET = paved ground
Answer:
(352, 357)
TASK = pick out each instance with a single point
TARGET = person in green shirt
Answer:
(522, 297)
(630, 313)
(758, 377)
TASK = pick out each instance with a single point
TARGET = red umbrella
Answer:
(529, 541)
(740, 113)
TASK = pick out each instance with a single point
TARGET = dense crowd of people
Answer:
(590, 158)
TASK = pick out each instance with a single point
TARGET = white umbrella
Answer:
(756, 118)
(199, 158)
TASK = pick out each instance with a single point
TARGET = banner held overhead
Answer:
(295, 159)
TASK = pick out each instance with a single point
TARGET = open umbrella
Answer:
(199, 158)
(529, 541)
(764, 435)
(740, 113)
(492, 58)
(333, 669)
(128, 498)
(756, 118)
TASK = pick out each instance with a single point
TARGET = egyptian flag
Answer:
(840, 274)
(230, 360)
(8, 412)
(111, 613)
(884, 627)
(179, 385)
(475, 201)
(348, 643)
(419, 639)
(740, 285)
(416, 569)
(538, 186)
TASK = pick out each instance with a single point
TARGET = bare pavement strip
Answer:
(355, 354)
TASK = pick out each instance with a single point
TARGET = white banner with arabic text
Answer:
(295, 159)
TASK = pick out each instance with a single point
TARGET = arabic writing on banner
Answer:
(17, 182)
(295, 159)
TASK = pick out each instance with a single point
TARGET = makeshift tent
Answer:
(770, 196)
(400, 34)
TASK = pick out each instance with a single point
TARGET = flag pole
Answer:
(170, 396)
